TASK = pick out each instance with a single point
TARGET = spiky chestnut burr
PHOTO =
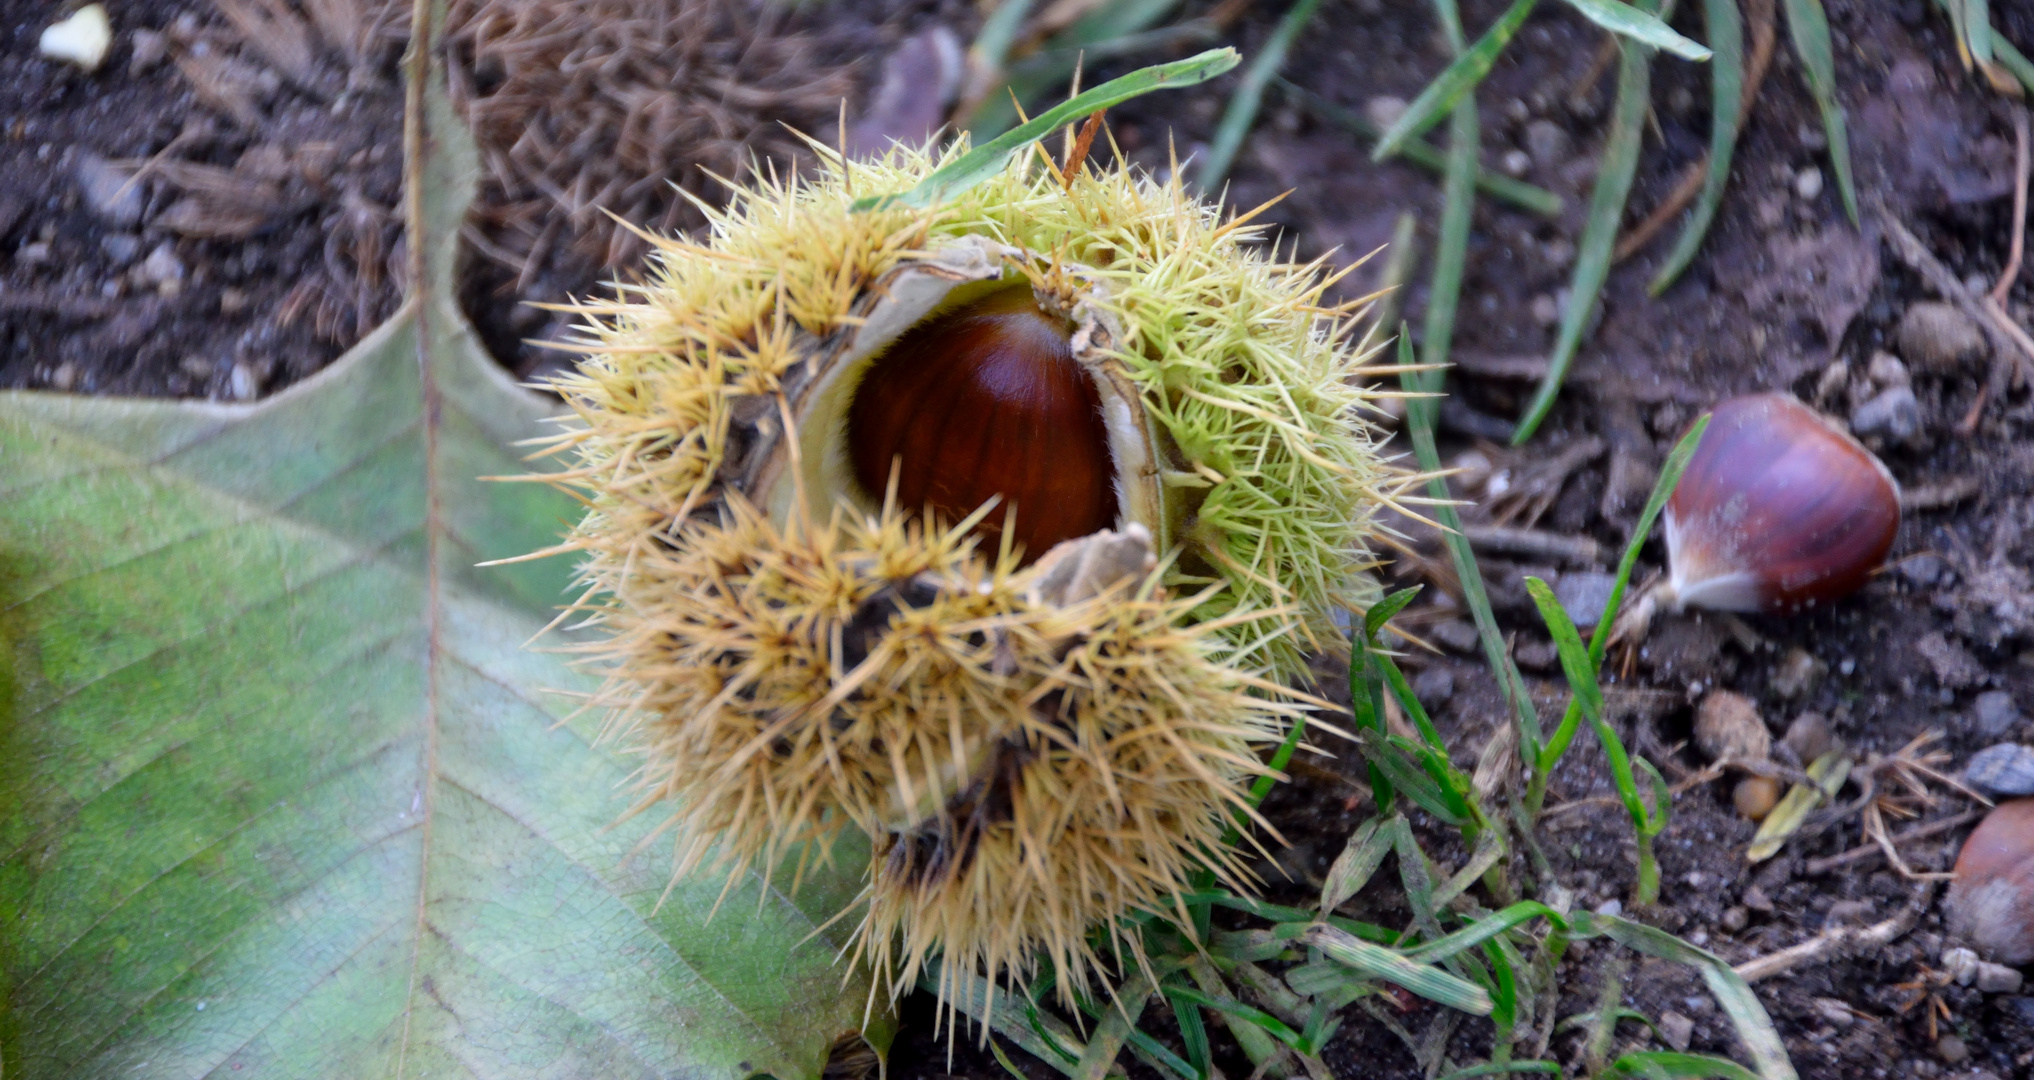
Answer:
(1035, 751)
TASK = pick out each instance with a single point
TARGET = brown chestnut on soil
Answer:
(1991, 903)
(1755, 796)
(987, 400)
(1778, 511)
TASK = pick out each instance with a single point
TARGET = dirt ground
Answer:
(1783, 287)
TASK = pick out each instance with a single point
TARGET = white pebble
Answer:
(1808, 183)
(81, 39)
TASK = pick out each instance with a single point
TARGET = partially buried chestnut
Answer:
(987, 400)
(1991, 903)
(1778, 511)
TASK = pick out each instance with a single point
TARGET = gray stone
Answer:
(162, 267)
(1893, 414)
(1809, 737)
(2005, 770)
(1548, 143)
(1998, 978)
(121, 247)
(107, 190)
(1583, 593)
(1676, 1030)
(1951, 1049)
(1434, 686)
(1996, 714)
(1454, 634)
(1938, 339)
(1924, 570)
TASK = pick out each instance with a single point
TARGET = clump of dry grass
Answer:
(585, 106)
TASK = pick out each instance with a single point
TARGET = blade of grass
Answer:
(1456, 81)
(1112, 29)
(1193, 1030)
(999, 31)
(1528, 197)
(1258, 1018)
(1118, 1022)
(988, 159)
(1257, 1044)
(1726, 86)
(1379, 962)
(1352, 870)
(1599, 234)
(1977, 30)
(1599, 639)
(1669, 1066)
(1754, 1027)
(1499, 1068)
(1581, 673)
(1808, 29)
(969, 993)
(1420, 425)
(1484, 929)
(1643, 26)
(1249, 95)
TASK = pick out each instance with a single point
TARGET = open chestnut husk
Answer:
(1991, 903)
(1779, 510)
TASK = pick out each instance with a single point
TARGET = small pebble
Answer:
(146, 49)
(1808, 183)
(1997, 978)
(1536, 655)
(1583, 595)
(33, 254)
(162, 267)
(1515, 162)
(1612, 907)
(1938, 339)
(65, 377)
(1894, 415)
(1834, 1012)
(1727, 725)
(1996, 714)
(81, 39)
(1809, 737)
(1735, 919)
(106, 189)
(232, 301)
(1548, 143)
(1951, 1049)
(2005, 770)
(243, 382)
(1546, 310)
(197, 367)
(120, 247)
(1755, 796)
(1676, 1030)
(1454, 634)
(1887, 370)
(1434, 686)
(1797, 673)
(1923, 571)
(1384, 110)
(1756, 899)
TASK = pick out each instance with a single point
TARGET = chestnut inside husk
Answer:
(985, 401)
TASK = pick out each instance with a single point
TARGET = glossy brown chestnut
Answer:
(1991, 903)
(986, 400)
(1778, 511)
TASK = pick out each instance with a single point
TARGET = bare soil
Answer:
(193, 219)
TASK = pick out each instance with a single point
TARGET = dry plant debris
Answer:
(590, 108)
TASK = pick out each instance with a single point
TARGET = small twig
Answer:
(1534, 544)
(1829, 941)
(2020, 170)
(1866, 851)
(1939, 495)
(1078, 156)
